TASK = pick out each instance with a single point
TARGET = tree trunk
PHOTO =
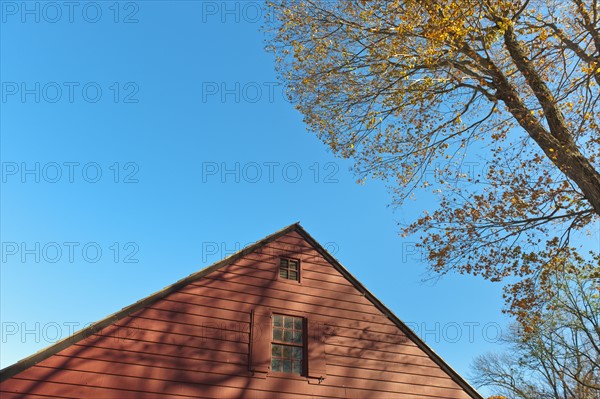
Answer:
(558, 143)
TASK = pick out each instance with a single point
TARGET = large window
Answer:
(294, 344)
(287, 347)
(289, 269)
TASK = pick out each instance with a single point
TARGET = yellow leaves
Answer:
(371, 123)
(504, 24)
(591, 68)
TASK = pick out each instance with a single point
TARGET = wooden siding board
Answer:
(236, 300)
(12, 395)
(292, 299)
(397, 363)
(289, 300)
(279, 291)
(175, 360)
(149, 337)
(190, 384)
(323, 286)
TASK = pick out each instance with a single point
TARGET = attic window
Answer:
(287, 347)
(289, 269)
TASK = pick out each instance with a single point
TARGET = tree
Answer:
(419, 92)
(558, 357)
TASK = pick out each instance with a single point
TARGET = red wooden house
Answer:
(279, 319)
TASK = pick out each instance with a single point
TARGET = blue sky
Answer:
(142, 141)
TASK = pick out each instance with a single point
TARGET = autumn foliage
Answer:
(493, 105)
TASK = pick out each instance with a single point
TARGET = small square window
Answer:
(289, 269)
(287, 347)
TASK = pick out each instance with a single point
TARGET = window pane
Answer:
(297, 353)
(287, 352)
(287, 321)
(293, 275)
(283, 273)
(298, 323)
(283, 263)
(293, 265)
(277, 320)
(287, 336)
(276, 350)
(276, 365)
(297, 337)
(287, 366)
(297, 367)
(278, 334)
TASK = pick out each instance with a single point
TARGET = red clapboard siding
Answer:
(196, 342)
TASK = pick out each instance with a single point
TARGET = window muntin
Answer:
(287, 347)
(289, 269)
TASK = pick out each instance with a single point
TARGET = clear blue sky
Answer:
(155, 132)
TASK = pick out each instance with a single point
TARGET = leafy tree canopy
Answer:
(416, 91)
